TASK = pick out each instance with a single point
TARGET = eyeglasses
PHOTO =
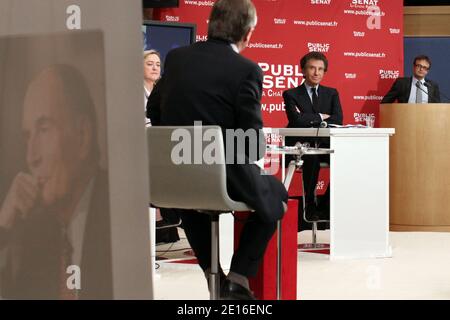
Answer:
(419, 66)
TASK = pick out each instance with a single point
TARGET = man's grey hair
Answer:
(231, 20)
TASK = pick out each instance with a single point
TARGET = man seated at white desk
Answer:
(311, 105)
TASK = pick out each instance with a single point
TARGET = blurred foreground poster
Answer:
(70, 209)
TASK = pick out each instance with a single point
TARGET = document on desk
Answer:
(347, 126)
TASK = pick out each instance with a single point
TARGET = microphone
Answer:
(419, 87)
(428, 85)
(318, 124)
(322, 124)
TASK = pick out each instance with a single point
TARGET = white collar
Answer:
(417, 80)
(308, 87)
(147, 93)
(235, 48)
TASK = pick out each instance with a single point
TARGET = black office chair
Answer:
(314, 223)
(296, 165)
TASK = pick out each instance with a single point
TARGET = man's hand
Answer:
(324, 116)
(57, 185)
(21, 198)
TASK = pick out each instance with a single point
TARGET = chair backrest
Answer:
(182, 173)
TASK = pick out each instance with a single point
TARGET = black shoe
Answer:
(222, 278)
(233, 291)
(165, 233)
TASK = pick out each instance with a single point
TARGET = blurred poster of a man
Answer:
(56, 213)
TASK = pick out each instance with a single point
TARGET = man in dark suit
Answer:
(415, 89)
(211, 82)
(54, 221)
(313, 105)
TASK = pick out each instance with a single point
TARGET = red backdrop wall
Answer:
(364, 48)
(363, 40)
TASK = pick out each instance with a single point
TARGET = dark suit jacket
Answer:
(401, 90)
(298, 98)
(34, 249)
(209, 82)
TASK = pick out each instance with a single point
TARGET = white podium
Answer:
(359, 189)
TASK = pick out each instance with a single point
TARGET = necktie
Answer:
(315, 100)
(419, 92)
(66, 253)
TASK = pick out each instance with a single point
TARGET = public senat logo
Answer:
(389, 74)
(320, 185)
(365, 2)
(201, 37)
(172, 18)
(350, 76)
(318, 47)
(326, 2)
(280, 76)
(279, 21)
(361, 117)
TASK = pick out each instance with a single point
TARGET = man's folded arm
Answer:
(297, 118)
(336, 116)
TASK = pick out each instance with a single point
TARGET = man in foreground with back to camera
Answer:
(211, 82)
(415, 89)
(313, 105)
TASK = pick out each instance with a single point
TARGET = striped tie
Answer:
(419, 92)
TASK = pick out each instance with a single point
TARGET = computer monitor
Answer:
(160, 3)
(165, 36)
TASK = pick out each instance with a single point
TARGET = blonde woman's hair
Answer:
(149, 52)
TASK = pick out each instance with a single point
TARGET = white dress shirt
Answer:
(146, 96)
(308, 89)
(235, 48)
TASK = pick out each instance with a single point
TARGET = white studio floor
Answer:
(419, 269)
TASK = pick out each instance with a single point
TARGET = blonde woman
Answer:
(152, 72)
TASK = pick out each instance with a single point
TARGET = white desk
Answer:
(359, 189)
